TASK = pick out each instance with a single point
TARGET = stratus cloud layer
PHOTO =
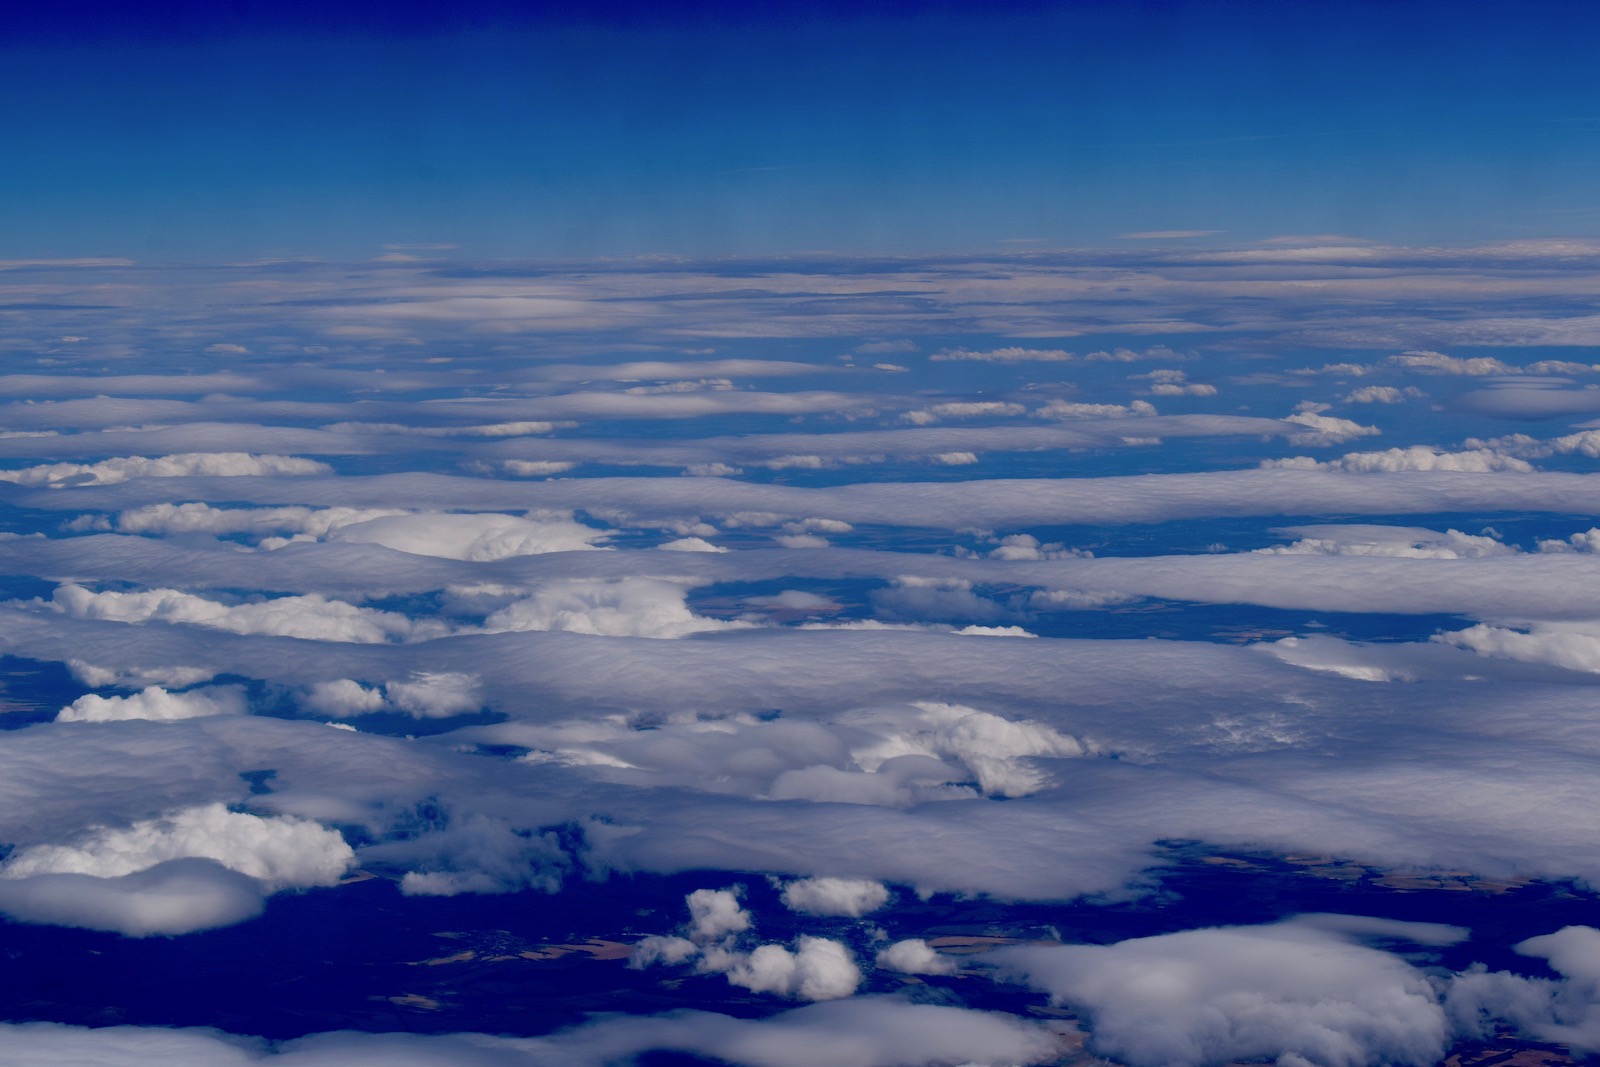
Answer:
(690, 583)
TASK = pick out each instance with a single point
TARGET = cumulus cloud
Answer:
(1412, 458)
(1068, 409)
(1407, 542)
(1010, 354)
(277, 850)
(1429, 362)
(156, 703)
(1564, 1011)
(962, 409)
(185, 465)
(815, 969)
(471, 537)
(856, 1032)
(854, 897)
(915, 956)
(629, 607)
(1326, 429)
(177, 896)
(1300, 993)
(311, 617)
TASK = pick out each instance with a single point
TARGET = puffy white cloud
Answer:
(630, 607)
(1564, 1011)
(1300, 993)
(536, 468)
(471, 537)
(716, 912)
(1011, 354)
(690, 544)
(156, 703)
(138, 677)
(1407, 542)
(854, 897)
(1381, 394)
(915, 956)
(1412, 458)
(436, 694)
(1584, 442)
(1326, 429)
(1068, 409)
(962, 409)
(277, 850)
(475, 853)
(343, 697)
(313, 617)
(176, 896)
(1438, 363)
(817, 969)
(1573, 645)
(198, 517)
(182, 465)
(854, 1032)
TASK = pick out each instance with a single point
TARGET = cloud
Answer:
(173, 897)
(962, 409)
(1412, 458)
(203, 464)
(470, 537)
(858, 1032)
(156, 703)
(853, 897)
(1011, 354)
(1326, 429)
(915, 956)
(815, 969)
(1439, 363)
(1565, 1011)
(278, 851)
(1299, 992)
(630, 607)
(311, 617)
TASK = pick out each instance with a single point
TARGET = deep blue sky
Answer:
(226, 130)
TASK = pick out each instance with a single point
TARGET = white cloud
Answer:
(471, 537)
(1326, 429)
(1413, 458)
(312, 617)
(436, 694)
(714, 913)
(1438, 363)
(854, 897)
(1066, 409)
(175, 897)
(156, 703)
(184, 465)
(1380, 394)
(915, 956)
(1406, 542)
(138, 677)
(279, 850)
(690, 544)
(962, 409)
(344, 697)
(1299, 993)
(816, 969)
(1011, 354)
(629, 607)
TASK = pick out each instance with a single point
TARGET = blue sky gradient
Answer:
(714, 129)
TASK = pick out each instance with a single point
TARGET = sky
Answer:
(890, 536)
(191, 132)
